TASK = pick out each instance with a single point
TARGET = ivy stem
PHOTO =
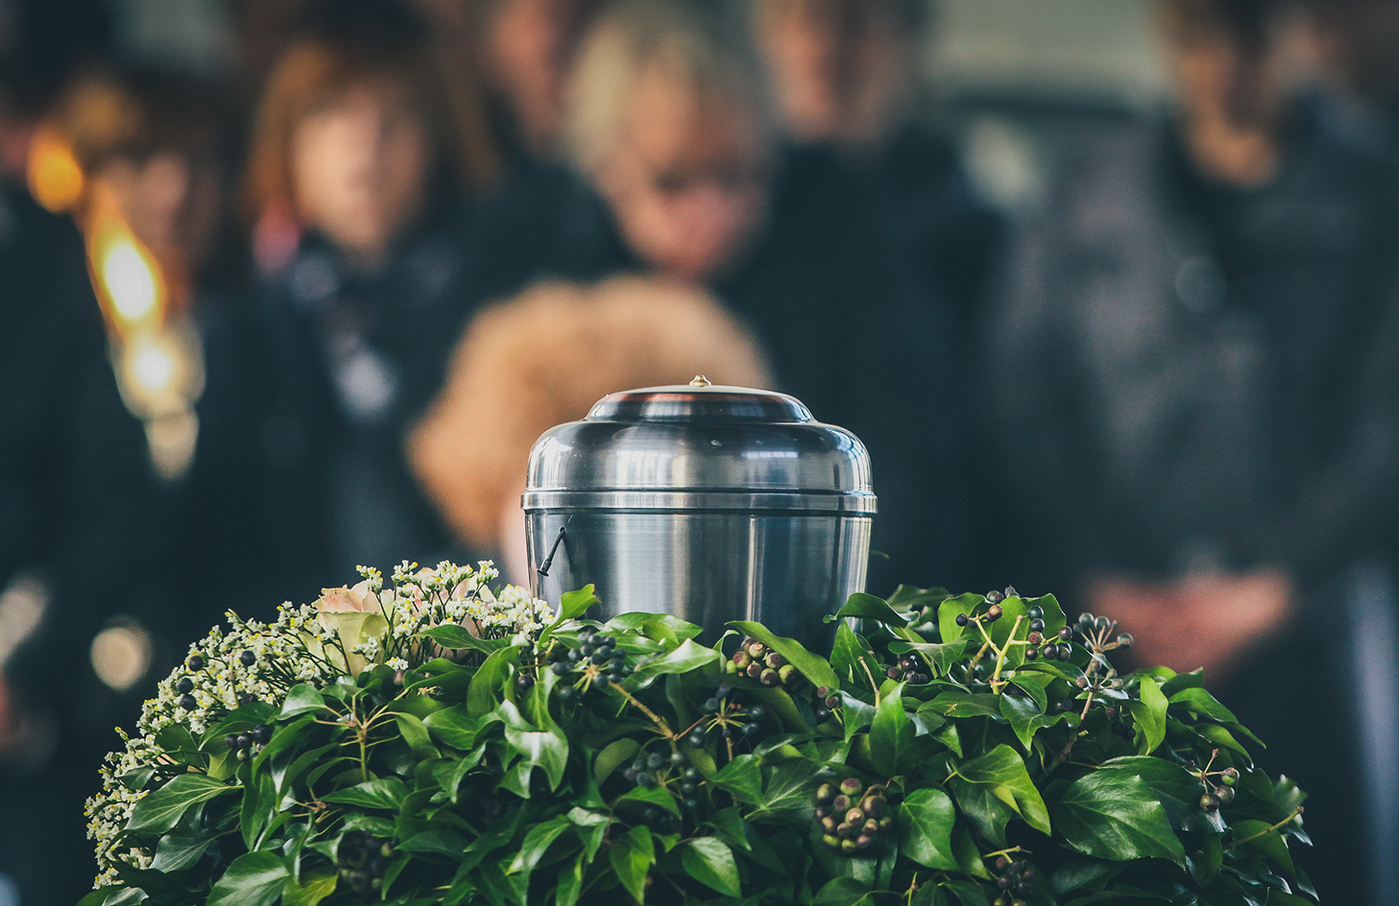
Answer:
(997, 684)
(1063, 755)
(1268, 830)
(655, 718)
(873, 684)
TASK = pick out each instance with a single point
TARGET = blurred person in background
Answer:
(542, 359)
(846, 77)
(76, 545)
(1185, 352)
(359, 175)
(155, 145)
(526, 50)
(677, 172)
(1357, 47)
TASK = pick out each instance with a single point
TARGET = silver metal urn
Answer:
(707, 502)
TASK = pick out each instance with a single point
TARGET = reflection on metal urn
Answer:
(710, 503)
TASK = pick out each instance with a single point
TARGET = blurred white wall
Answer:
(1086, 51)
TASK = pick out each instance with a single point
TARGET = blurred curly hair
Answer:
(543, 358)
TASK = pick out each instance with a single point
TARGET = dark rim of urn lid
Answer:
(697, 402)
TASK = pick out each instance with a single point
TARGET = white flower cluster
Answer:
(345, 632)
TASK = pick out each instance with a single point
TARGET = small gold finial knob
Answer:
(700, 381)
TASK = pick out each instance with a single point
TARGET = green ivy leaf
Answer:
(385, 793)
(1150, 715)
(487, 686)
(968, 893)
(816, 669)
(537, 843)
(547, 749)
(162, 809)
(787, 789)
(259, 807)
(867, 607)
(686, 657)
(850, 646)
(177, 851)
(939, 656)
(1259, 837)
(743, 777)
(313, 887)
(925, 822)
(993, 787)
(955, 703)
(891, 735)
(253, 879)
(573, 604)
(457, 638)
(647, 627)
(948, 630)
(1176, 788)
(1114, 815)
(455, 727)
(632, 857)
(710, 861)
(845, 891)
(302, 699)
(611, 757)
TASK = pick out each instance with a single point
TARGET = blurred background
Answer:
(1110, 288)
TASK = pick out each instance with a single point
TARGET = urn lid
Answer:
(700, 445)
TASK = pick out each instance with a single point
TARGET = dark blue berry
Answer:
(184, 686)
(697, 739)
(247, 658)
(188, 703)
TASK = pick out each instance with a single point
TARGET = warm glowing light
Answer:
(125, 274)
(55, 179)
(153, 364)
(129, 280)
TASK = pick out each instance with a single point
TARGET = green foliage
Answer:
(581, 763)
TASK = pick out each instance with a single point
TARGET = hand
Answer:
(1205, 620)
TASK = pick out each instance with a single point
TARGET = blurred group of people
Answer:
(360, 279)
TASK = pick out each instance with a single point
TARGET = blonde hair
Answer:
(704, 44)
(542, 359)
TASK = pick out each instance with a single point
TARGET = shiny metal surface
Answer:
(701, 438)
(710, 503)
(787, 571)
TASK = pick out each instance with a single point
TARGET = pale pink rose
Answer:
(358, 598)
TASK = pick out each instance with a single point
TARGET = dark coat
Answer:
(1194, 376)
(79, 514)
(1180, 363)
(313, 379)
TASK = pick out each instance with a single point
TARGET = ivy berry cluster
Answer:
(244, 744)
(1014, 880)
(596, 660)
(852, 816)
(362, 859)
(757, 661)
(732, 718)
(827, 704)
(1219, 785)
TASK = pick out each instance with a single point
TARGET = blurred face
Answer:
(171, 200)
(1221, 82)
(530, 45)
(839, 66)
(688, 180)
(360, 164)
